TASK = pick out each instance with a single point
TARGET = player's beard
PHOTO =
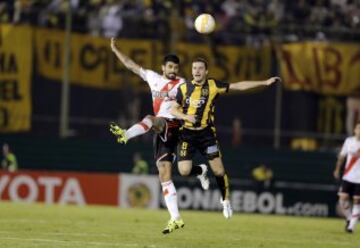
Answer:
(170, 76)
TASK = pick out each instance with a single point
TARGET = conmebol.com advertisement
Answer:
(282, 198)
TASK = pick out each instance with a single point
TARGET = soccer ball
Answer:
(205, 24)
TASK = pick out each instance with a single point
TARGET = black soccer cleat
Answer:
(347, 224)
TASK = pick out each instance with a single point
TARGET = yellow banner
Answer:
(15, 78)
(321, 67)
(93, 64)
(227, 63)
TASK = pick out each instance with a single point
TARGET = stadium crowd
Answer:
(290, 20)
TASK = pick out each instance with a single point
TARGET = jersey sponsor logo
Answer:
(160, 94)
(195, 103)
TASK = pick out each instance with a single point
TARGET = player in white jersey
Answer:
(163, 88)
(349, 192)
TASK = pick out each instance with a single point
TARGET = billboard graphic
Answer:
(59, 188)
(283, 198)
(139, 191)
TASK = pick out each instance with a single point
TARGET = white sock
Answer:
(345, 206)
(170, 197)
(355, 214)
(139, 128)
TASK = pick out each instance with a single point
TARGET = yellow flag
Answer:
(15, 78)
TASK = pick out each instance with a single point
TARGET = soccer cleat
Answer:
(227, 210)
(349, 230)
(118, 132)
(179, 223)
(347, 223)
(173, 225)
(170, 227)
(204, 180)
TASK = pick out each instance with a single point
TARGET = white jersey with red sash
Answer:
(351, 149)
(163, 91)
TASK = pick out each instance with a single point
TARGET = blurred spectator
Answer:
(9, 161)
(112, 22)
(353, 14)
(140, 165)
(299, 11)
(319, 13)
(93, 18)
(276, 7)
(5, 14)
(258, 20)
(263, 177)
(339, 3)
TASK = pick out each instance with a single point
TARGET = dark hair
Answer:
(171, 58)
(202, 60)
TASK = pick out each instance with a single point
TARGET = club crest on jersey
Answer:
(204, 92)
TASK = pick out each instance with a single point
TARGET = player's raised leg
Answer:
(140, 128)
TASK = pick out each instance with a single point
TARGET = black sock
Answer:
(196, 170)
(223, 184)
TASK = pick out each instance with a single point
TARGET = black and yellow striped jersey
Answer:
(199, 100)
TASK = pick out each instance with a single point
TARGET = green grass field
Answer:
(23, 225)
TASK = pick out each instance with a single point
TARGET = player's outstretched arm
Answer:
(339, 163)
(176, 111)
(246, 85)
(129, 63)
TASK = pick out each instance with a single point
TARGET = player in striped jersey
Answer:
(163, 88)
(349, 192)
(195, 105)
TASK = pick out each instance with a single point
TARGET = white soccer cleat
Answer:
(204, 180)
(227, 210)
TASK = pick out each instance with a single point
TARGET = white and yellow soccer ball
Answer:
(205, 23)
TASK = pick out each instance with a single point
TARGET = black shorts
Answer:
(202, 140)
(352, 189)
(165, 143)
